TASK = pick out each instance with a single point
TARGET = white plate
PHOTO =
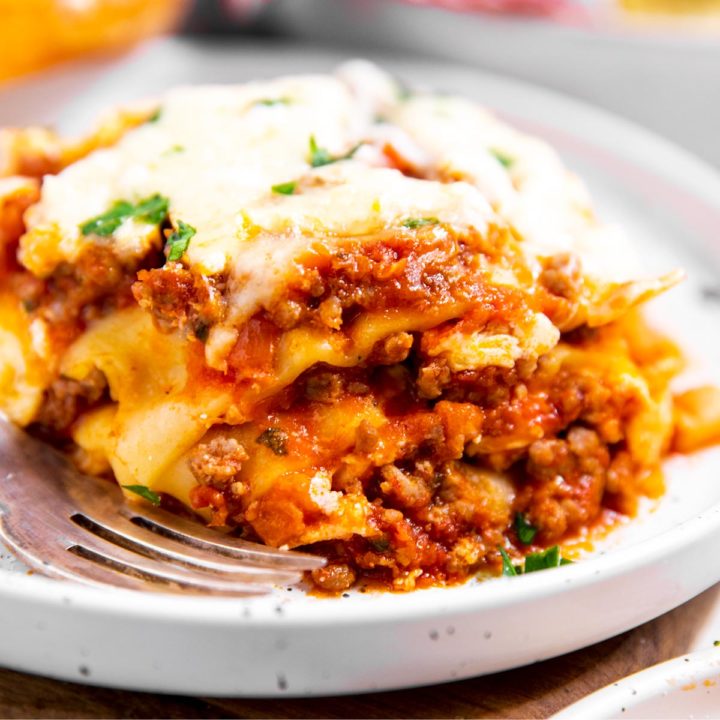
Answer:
(296, 645)
(686, 687)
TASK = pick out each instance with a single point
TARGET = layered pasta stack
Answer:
(326, 312)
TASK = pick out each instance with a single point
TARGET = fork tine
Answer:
(123, 533)
(68, 566)
(202, 538)
(99, 552)
(91, 564)
(69, 526)
(94, 496)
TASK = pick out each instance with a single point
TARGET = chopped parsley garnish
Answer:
(413, 223)
(716, 643)
(151, 210)
(269, 102)
(144, 492)
(275, 439)
(107, 223)
(525, 531)
(287, 188)
(503, 158)
(534, 562)
(177, 244)
(320, 156)
(549, 558)
(155, 116)
(508, 569)
(380, 544)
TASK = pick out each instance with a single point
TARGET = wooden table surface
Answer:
(536, 691)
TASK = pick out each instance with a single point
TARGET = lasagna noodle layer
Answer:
(329, 457)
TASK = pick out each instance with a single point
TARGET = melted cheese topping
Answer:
(216, 152)
(548, 206)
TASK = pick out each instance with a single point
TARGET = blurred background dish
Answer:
(35, 34)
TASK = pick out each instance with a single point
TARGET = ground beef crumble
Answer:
(66, 399)
(566, 482)
(76, 294)
(179, 298)
(218, 462)
(334, 577)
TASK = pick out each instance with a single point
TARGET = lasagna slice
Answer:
(328, 314)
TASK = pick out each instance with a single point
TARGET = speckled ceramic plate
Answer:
(686, 687)
(293, 644)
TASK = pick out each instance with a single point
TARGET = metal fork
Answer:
(71, 526)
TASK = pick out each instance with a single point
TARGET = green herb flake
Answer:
(525, 531)
(155, 116)
(508, 569)
(287, 188)
(380, 544)
(503, 158)
(108, 222)
(144, 492)
(152, 210)
(275, 439)
(177, 244)
(414, 223)
(271, 102)
(320, 156)
(716, 643)
(545, 559)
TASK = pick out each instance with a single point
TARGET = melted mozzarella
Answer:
(546, 204)
(347, 199)
(213, 151)
(217, 151)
